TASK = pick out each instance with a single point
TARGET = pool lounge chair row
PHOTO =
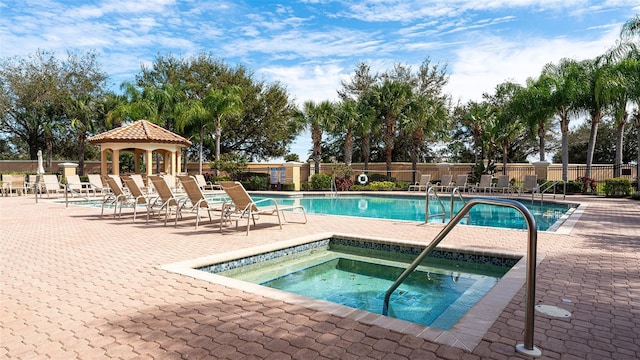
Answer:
(485, 185)
(165, 202)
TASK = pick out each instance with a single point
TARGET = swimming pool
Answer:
(412, 208)
(549, 216)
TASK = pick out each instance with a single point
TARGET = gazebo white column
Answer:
(115, 161)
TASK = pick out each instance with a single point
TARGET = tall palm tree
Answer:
(347, 118)
(390, 101)
(508, 123)
(615, 89)
(565, 78)
(210, 112)
(592, 104)
(475, 119)
(532, 105)
(426, 114)
(317, 118)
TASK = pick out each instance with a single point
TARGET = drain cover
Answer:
(553, 311)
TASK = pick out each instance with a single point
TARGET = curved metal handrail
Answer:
(431, 191)
(553, 185)
(527, 348)
(453, 193)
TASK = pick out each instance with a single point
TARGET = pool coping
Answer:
(465, 334)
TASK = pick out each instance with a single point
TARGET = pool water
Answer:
(411, 208)
(437, 294)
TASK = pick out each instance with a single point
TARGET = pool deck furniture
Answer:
(97, 184)
(166, 197)
(504, 185)
(484, 184)
(461, 182)
(117, 196)
(74, 287)
(52, 185)
(444, 184)
(206, 185)
(424, 182)
(196, 199)
(139, 196)
(243, 207)
(77, 187)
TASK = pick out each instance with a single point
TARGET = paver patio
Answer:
(77, 286)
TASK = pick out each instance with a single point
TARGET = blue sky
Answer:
(311, 45)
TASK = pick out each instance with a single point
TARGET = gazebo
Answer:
(142, 138)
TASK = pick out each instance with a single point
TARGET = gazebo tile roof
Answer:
(141, 131)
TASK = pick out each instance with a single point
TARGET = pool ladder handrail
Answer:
(552, 185)
(453, 194)
(527, 348)
(431, 191)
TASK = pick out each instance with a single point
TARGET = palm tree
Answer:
(531, 104)
(317, 118)
(347, 118)
(210, 112)
(564, 78)
(390, 101)
(615, 89)
(426, 114)
(508, 123)
(592, 104)
(475, 120)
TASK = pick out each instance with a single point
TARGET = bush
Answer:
(382, 185)
(380, 178)
(573, 187)
(636, 196)
(343, 184)
(617, 187)
(321, 182)
(288, 187)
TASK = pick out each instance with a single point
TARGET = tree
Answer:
(593, 74)
(267, 125)
(219, 104)
(84, 82)
(532, 105)
(347, 119)
(359, 84)
(564, 78)
(507, 119)
(390, 102)
(31, 96)
(317, 118)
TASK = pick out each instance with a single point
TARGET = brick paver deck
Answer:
(77, 286)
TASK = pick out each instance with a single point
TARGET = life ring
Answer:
(363, 179)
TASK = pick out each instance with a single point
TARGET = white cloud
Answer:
(480, 66)
(313, 82)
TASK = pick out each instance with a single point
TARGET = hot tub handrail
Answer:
(431, 191)
(527, 348)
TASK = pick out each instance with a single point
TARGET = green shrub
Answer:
(382, 185)
(573, 187)
(380, 178)
(617, 187)
(288, 187)
(636, 196)
(321, 182)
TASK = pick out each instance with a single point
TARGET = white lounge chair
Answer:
(243, 207)
(504, 184)
(461, 182)
(206, 185)
(51, 184)
(445, 183)
(166, 197)
(484, 184)
(96, 183)
(424, 182)
(78, 187)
